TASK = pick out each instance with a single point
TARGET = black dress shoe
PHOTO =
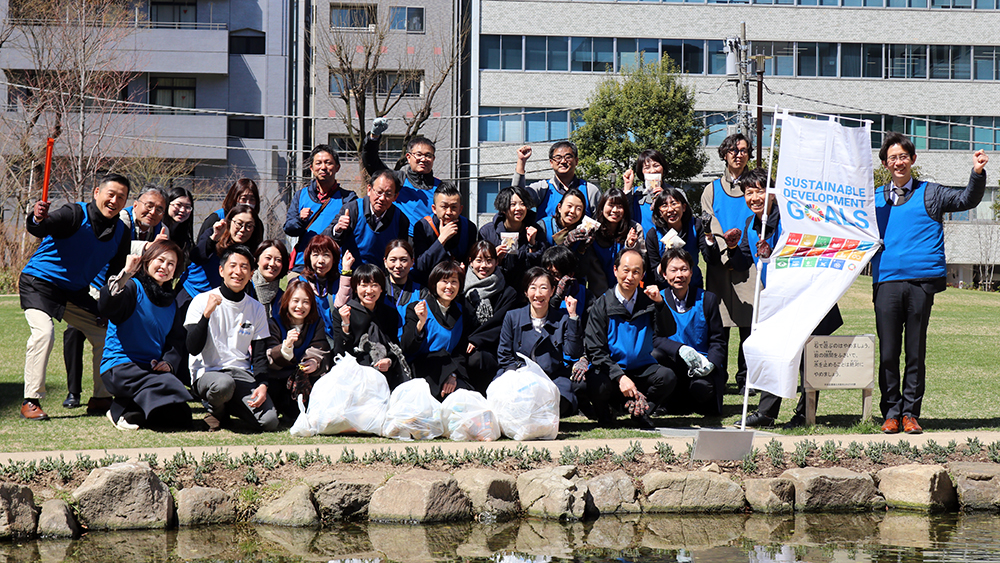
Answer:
(797, 421)
(758, 420)
(72, 401)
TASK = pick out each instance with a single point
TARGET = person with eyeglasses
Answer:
(316, 206)
(416, 178)
(365, 226)
(563, 157)
(179, 220)
(724, 215)
(239, 227)
(907, 272)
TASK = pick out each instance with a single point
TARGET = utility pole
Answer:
(738, 68)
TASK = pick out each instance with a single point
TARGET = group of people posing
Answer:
(604, 290)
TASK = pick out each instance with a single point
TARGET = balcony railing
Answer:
(135, 23)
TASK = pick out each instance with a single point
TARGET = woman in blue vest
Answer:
(672, 213)
(488, 298)
(436, 334)
(314, 207)
(514, 221)
(243, 192)
(368, 326)
(272, 265)
(239, 227)
(616, 233)
(179, 220)
(297, 349)
(321, 255)
(569, 215)
(141, 350)
(650, 161)
(548, 335)
(401, 289)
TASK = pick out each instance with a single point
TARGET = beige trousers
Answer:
(36, 356)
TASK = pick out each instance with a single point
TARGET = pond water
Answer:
(882, 537)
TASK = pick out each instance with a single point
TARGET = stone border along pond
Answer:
(122, 494)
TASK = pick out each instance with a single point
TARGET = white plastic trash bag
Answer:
(526, 403)
(413, 414)
(467, 417)
(349, 398)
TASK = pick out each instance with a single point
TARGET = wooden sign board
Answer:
(839, 362)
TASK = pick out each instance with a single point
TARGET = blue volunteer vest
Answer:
(414, 202)
(316, 224)
(72, 263)
(731, 212)
(690, 245)
(371, 245)
(753, 237)
(642, 214)
(607, 258)
(141, 337)
(913, 241)
(692, 326)
(199, 278)
(410, 294)
(323, 306)
(299, 350)
(631, 341)
(439, 338)
(552, 196)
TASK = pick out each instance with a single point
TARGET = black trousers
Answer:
(654, 381)
(902, 307)
(73, 341)
(741, 360)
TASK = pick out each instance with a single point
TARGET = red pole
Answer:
(48, 168)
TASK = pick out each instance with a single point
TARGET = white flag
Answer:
(826, 197)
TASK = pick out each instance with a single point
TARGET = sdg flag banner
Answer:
(826, 198)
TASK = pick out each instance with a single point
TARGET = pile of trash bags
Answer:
(522, 404)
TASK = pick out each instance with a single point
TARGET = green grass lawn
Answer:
(963, 357)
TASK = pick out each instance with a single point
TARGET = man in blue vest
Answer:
(621, 325)
(907, 272)
(563, 157)
(725, 211)
(416, 177)
(314, 207)
(447, 234)
(366, 226)
(78, 241)
(143, 221)
(698, 348)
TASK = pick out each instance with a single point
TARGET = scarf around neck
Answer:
(479, 291)
(266, 290)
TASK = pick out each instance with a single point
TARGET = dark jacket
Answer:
(608, 315)
(515, 264)
(710, 252)
(437, 366)
(372, 162)
(381, 326)
(279, 368)
(561, 337)
(486, 336)
(429, 251)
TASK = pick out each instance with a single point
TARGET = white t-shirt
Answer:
(231, 329)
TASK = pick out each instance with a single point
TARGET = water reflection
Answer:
(876, 538)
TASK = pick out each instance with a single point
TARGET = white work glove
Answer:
(698, 365)
(379, 125)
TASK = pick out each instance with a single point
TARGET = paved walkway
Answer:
(678, 439)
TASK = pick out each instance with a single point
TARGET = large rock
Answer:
(344, 495)
(977, 484)
(124, 496)
(554, 492)
(18, 514)
(833, 489)
(200, 506)
(493, 494)
(770, 496)
(691, 491)
(917, 487)
(614, 493)
(57, 520)
(420, 495)
(294, 509)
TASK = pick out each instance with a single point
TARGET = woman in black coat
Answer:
(488, 298)
(514, 233)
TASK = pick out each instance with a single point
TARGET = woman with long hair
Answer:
(143, 346)
(272, 265)
(320, 259)
(672, 216)
(514, 233)
(617, 232)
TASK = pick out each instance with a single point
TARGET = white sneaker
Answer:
(122, 424)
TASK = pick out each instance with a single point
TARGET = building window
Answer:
(352, 16)
(407, 84)
(592, 54)
(782, 56)
(171, 92)
(688, 54)
(246, 127)
(173, 12)
(247, 44)
(488, 190)
(524, 125)
(907, 61)
(633, 52)
(861, 60)
(406, 19)
(391, 147)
